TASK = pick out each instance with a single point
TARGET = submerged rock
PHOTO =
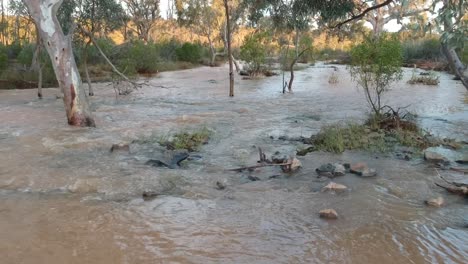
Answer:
(328, 214)
(331, 170)
(435, 202)
(84, 186)
(253, 178)
(336, 187)
(174, 162)
(361, 169)
(120, 147)
(149, 195)
(220, 186)
(279, 158)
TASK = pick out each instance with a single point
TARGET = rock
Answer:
(244, 73)
(84, 186)
(295, 165)
(220, 186)
(325, 170)
(120, 147)
(339, 170)
(328, 214)
(361, 169)
(368, 173)
(358, 168)
(174, 162)
(279, 158)
(433, 156)
(336, 187)
(149, 195)
(253, 178)
(435, 202)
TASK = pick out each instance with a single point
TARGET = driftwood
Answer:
(259, 166)
(453, 187)
(263, 162)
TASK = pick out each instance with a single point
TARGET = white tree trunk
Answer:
(59, 48)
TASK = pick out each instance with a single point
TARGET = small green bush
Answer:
(190, 52)
(138, 57)
(167, 50)
(425, 49)
(376, 63)
(253, 52)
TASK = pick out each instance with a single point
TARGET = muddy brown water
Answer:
(64, 198)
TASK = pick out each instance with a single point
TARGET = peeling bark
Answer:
(59, 48)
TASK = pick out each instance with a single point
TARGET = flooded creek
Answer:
(65, 198)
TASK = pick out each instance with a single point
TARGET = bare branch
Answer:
(362, 14)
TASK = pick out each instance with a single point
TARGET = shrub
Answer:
(106, 45)
(427, 79)
(425, 49)
(190, 52)
(3, 58)
(376, 63)
(253, 52)
(167, 50)
(138, 57)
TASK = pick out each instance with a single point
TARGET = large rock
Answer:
(336, 187)
(124, 147)
(328, 214)
(331, 170)
(434, 156)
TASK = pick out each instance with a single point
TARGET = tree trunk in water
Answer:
(59, 48)
(36, 63)
(85, 64)
(213, 52)
(456, 64)
(291, 68)
(228, 39)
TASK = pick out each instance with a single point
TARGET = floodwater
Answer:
(64, 198)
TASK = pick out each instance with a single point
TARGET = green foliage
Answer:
(376, 63)
(253, 51)
(429, 79)
(189, 141)
(190, 52)
(3, 58)
(138, 57)
(106, 45)
(14, 49)
(423, 49)
(338, 138)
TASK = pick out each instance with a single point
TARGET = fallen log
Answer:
(250, 168)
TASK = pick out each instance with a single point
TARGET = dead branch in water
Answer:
(259, 166)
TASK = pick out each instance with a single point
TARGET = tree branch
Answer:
(362, 14)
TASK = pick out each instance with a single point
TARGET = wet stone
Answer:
(295, 165)
(220, 186)
(435, 202)
(120, 147)
(336, 187)
(331, 170)
(339, 170)
(279, 158)
(434, 156)
(253, 178)
(149, 195)
(84, 186)
(328, 214)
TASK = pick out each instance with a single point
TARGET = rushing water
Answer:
(64, 198)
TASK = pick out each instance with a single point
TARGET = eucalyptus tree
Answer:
(205, 17)
(97, 17)
(143, 14)
(59, 47)
(453, 22)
